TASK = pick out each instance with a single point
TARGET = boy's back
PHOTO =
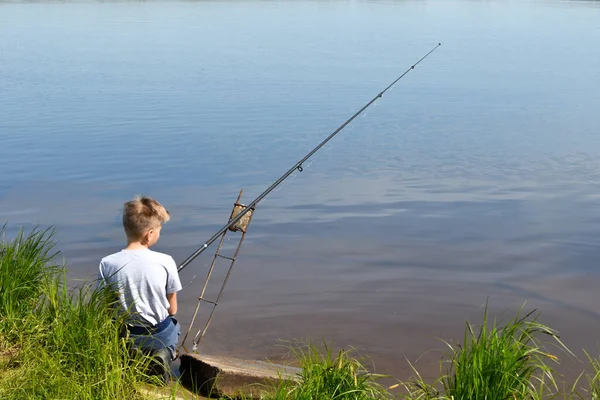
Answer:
(147, 282)
(143, 279)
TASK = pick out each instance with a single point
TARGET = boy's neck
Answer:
(136, 245)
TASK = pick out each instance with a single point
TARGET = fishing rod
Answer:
(297, 166)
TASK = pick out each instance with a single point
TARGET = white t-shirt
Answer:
(143, 279)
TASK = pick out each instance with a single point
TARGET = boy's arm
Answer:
(173, 286)
(100, 282)
(172, 298)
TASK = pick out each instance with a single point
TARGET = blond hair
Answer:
(141, 214)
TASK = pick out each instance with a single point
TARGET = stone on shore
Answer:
(226, 376)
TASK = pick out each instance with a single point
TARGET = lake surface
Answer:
(477, 177)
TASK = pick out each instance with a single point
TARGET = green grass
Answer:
(76, 351)
(593, 379)
(58, 343)
(504, 362)
(25, 267)
(326, 375)
(495, 363)
(590, 389)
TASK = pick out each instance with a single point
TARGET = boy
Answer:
(146, 281)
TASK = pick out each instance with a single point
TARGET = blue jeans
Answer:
(164, 335)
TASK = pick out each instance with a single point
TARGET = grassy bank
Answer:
(57, 343)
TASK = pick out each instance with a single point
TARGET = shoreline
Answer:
(389, 319)
(82, 317)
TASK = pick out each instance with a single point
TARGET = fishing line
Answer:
(194, 277)
(296, 167)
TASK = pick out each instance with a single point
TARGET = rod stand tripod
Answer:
(239, 226)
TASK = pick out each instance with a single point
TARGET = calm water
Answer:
(476, 177)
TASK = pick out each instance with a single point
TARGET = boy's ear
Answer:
(146, 237)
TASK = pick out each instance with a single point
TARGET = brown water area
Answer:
(393, 287)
